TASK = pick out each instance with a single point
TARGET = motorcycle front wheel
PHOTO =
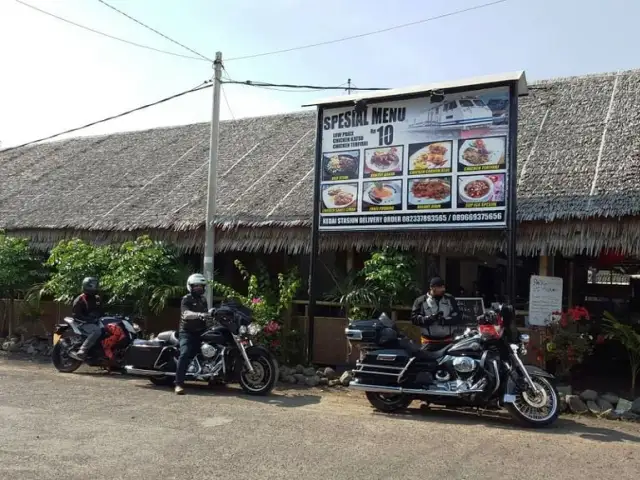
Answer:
(388, 402)
(61, 359)
(263, 378)
(538, 409)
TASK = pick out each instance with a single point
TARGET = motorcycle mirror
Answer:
(212, 311)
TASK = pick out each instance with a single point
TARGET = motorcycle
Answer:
(480, 368)
(108, 352)
(227, 354)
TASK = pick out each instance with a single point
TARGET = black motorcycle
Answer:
(227, 354)
(118, 333)
(480, 368)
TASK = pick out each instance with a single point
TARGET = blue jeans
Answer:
(189, 347)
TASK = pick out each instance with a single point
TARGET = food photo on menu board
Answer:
(478, 191)
(432, 157)
(383, 161)
(339, 197)
(478, 154)
(343, 165)
(382, 195)
(429, 193)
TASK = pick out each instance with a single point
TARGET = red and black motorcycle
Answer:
(118, 335)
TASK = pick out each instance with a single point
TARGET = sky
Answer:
(54, 76)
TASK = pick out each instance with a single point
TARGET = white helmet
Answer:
(196, 279)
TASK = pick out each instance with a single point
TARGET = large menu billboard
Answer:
(433, 162)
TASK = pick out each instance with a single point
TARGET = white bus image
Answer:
(462, 113)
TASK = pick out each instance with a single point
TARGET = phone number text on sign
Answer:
(422, 220)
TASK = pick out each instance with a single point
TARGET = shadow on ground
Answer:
(279, 397)
(502, 420)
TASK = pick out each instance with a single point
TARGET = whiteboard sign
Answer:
(545, 297)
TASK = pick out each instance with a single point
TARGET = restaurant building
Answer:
(578, 206)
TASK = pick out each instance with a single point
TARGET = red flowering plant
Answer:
(563, 342)
(268, 301)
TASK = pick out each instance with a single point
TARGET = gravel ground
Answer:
(99, 426)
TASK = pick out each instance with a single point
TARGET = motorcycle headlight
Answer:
(136, 327)
(242, 330)
(254, 329)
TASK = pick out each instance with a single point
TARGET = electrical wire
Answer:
(376, 32)
(202, 86)
(154, 30)
(224, 94)
(313, 88)
(140, 45)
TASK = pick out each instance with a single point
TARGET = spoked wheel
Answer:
(263, 378)
(388, 402)
(60, 356)
(536, 409)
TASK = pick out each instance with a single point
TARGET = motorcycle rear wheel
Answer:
(388, 403)
(62, 361)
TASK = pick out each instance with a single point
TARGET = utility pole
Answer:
(349, 86)
(212, 188)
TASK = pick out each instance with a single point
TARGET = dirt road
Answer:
(91, 425)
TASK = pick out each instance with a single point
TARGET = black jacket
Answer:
(87, 308)
(190, 309)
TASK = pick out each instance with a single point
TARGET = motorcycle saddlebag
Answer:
(145, 354)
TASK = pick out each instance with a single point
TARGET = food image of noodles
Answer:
(431, 189)
(340, 197)
(477, 188)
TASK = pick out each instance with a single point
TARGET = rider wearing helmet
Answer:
(193, 314)
(87, 307)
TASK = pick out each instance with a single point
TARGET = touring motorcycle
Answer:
(108, 352)
(480, 368)
(227, 354)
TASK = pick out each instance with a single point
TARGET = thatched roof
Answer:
(578, 150)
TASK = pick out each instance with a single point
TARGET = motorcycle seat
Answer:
(422, 353)
(425, 354)
(169, 336)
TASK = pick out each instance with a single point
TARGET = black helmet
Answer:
(90, 285)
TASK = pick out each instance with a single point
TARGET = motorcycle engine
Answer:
(464, 364)
(208, 351)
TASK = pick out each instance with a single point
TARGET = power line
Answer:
(376, 32)
(252, 83)
(154, 30)
(140, 45)
(202, 86)
(224, 94)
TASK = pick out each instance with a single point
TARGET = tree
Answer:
(19, 270)
(71, 261)
(137, 270)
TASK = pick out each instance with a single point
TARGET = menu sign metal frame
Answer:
(420, 162)
(432, 158)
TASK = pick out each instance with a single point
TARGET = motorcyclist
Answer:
(87, 307)
(436, 313)
(193, 315)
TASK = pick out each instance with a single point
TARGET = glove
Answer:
(418, 320)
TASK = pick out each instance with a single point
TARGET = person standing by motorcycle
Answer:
(87, 307)
(193, 316)
(436, 313)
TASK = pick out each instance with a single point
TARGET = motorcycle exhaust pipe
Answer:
(147, 373)
(410, 391)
